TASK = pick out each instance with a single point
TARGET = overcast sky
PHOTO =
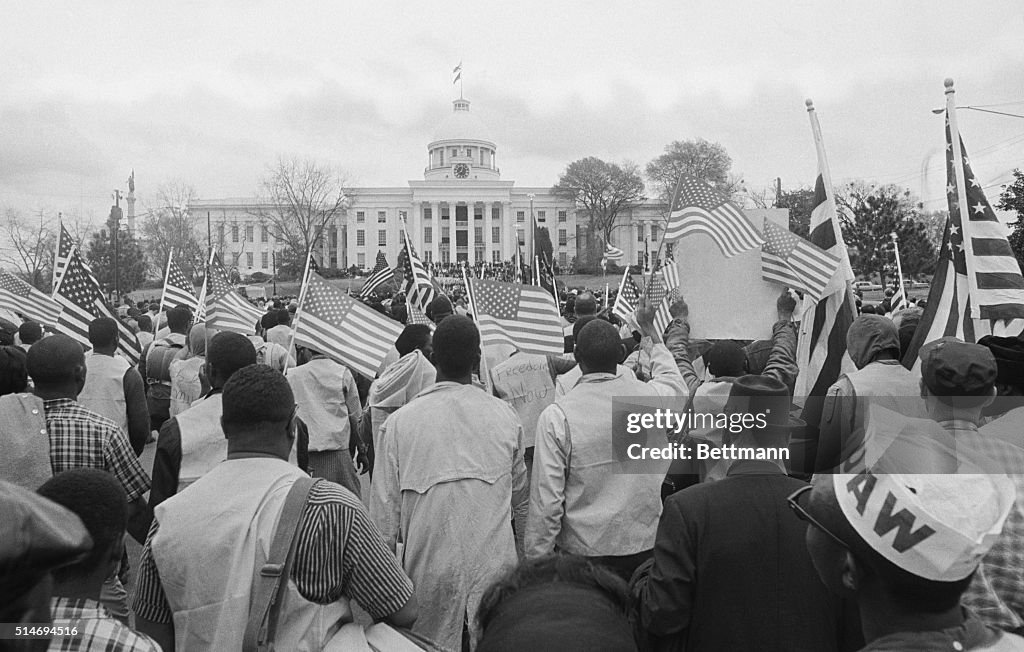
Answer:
(211, 92)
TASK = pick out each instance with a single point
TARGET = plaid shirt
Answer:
(98, 631)
(996, 593)
(80, 438)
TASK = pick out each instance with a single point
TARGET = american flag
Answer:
(337, 325)
(788, 259)
(613, 253)
(545, 276)
(697, 208)
(977, 289)
(416, 282)
(226, 308)
(899, 298)
(821, 346)
(18, 296)
(663, 291)
(178, 290)
(524, 316)
(380, 276)
(60, 262)
(628, 299)
(82, 301)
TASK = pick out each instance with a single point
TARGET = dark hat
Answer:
(1009, 355)
(7, 331)
(765, 395)
(441, 305)
(39, 535)
(952, 367)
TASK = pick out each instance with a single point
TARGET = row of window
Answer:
(640, 232)
(382, 218)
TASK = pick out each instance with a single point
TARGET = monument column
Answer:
(435, 239)
(471, 232)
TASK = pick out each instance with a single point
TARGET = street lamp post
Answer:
(115, 218)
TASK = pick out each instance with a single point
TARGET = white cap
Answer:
(936, 526)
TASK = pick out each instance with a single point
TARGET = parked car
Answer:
(866, 285)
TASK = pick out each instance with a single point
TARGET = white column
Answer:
(471, 231)
(508, 231)
(435, 218)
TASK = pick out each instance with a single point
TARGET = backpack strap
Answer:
(269, 587)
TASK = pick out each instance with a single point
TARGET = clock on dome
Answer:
(461, 171)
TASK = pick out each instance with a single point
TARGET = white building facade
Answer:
(462, 210)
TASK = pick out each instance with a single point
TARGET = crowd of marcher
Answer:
(472, 499)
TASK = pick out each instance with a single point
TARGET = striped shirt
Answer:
(82, 439)
(339, 553)
(98, 631)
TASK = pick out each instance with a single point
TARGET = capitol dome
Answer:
(461, 148)
(461, 124)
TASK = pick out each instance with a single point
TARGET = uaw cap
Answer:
(38, 534)
(952, 367)
(935, 526)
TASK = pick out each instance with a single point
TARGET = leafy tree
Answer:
(603, 190)
(1012, 199)
(707, 161)
(131, 260)
(872, 213)
(800, 203)
(169, 225)
(298, 199)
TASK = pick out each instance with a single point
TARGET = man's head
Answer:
(871, 338)
(456, 348)
(269, 320)
(439, 309)
(284, 317)
(1009, 355)
(39, 536)
(414, 336)
(227, 353)
(97, 498)
(178, 319)
(726, 359)
(30, 332)
(145, 323)
(531, 607)
(957, 378)
(259, 411)
(103, 335)
(13, 370)
(946, 523)
(599, 348)
(57, 366)
(586, 304)
(767, 400)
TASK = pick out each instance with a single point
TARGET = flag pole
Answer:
(163, 292)
(899, 267)
(56, 255)
(485, 376)
(961, 186)
(298, 308)
(202, 294)
(830, 195)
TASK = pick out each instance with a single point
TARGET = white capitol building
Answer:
(462, 210)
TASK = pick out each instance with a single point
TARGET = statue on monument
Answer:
(131, 182)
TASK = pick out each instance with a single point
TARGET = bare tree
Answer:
(30, 247)
(169, 225)
(603, 190)
(298, 199)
